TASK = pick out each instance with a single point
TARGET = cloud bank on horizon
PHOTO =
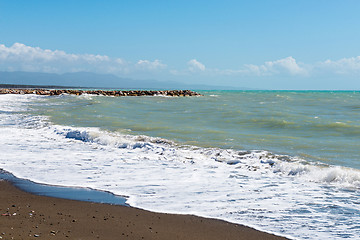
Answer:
(20, 57)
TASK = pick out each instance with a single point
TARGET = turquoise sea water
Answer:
(315, 125)
(285, 162)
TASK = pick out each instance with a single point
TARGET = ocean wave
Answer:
(347, 127)
(255, 160)
(316, 125)
(321, 173)
(11, 103)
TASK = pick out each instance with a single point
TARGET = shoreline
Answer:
(25, 215)
(64, 192)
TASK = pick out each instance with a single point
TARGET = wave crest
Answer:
(255, 160)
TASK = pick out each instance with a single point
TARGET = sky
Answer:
(279, 44)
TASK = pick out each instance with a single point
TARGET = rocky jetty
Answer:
(117, 93)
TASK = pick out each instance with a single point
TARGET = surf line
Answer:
(72, 193)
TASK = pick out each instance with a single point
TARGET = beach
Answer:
(180, 120)
(281, 162)
(27, 216)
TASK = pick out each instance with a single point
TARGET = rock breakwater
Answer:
(117, 93)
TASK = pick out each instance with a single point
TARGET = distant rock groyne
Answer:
(118, 93)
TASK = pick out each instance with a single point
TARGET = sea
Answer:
(284, 162)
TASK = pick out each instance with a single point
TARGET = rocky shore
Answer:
(117, 93)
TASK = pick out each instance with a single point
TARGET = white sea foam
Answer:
(15, 103)
(275, 193)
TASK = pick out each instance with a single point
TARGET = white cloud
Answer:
(282, 66)
(20, 52)
(342, 66)
(195, 65)
(20, 57)
(148, 65)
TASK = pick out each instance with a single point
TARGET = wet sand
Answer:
(27, 216)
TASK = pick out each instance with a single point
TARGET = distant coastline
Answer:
(29, 86)
(97, 81)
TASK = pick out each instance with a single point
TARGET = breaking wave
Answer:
(255, 160)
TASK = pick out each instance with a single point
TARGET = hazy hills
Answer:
(94, 80)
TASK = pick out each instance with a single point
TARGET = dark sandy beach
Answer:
(27, 216)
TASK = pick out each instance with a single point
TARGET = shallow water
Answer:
(80, 194)
(322, 126)
(280, 161)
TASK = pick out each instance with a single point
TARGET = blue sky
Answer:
(257, 44)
